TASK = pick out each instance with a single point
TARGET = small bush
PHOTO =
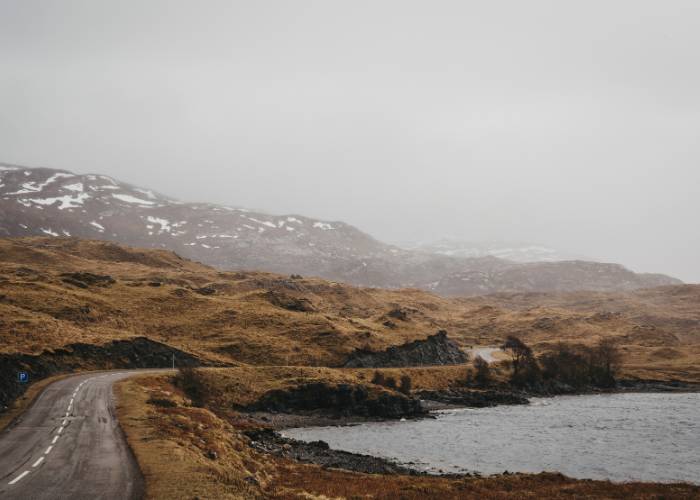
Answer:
(406, 384)
(162, 402)
(378, 378)
(482, 370)
(191, 381)
(526, 372)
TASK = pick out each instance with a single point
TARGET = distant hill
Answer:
(59, 291)
(513, 251)
(48, 202)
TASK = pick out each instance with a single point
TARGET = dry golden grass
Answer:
(188, 452)
(243, 385)
(298, 481)
(173, 446)
(238, 322)
(658, 329)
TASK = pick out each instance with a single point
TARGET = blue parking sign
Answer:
(22, 377)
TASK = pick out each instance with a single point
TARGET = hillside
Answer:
(47, 202)
(59, 291)
(513, 251)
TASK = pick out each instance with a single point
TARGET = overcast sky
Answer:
(569, 123)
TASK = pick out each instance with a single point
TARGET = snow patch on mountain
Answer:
(132, 199)
(165, 226)
(68, 201)
(78, 187)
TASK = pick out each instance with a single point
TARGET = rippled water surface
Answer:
(622, 437)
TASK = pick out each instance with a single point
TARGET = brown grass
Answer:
(658, 329)
(243, 385)
(173, 447)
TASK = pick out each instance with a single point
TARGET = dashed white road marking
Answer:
(59, 431)
(19, 477)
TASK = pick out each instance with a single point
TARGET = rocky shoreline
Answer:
(289, 410)
(461, 398)
(267, 439)
(318, 452)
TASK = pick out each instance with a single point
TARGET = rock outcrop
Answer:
(437, 349)
(338, 400)
(318, 452)
(474, 398)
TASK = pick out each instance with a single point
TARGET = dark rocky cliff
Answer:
(437, 349)
(339, 400)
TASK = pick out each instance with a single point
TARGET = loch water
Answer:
(621, 437)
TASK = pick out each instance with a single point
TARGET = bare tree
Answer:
(406, 384)
(517, 350)
(483, 371)
(608, 359)
(526, 371)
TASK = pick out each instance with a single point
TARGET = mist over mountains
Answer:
(43, 201)
(513, 251)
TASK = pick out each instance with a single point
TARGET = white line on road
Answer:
(19, 477)
(55, 438)
(48, 450)
(71, 401)
(63, 424)
(60, 430)
(36, 464)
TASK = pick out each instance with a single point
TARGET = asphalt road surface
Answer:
(486, 353)
(68, 445)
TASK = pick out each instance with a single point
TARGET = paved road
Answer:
(486, 353)
(68, 445)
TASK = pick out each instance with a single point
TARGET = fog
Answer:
(571, 124)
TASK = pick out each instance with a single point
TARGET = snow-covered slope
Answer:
(42, 201)
(513, 251)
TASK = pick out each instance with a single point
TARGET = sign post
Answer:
(22, 377)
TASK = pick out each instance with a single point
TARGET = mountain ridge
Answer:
(50, 202)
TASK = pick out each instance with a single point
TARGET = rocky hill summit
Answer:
(436, 349)
(48, 202)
